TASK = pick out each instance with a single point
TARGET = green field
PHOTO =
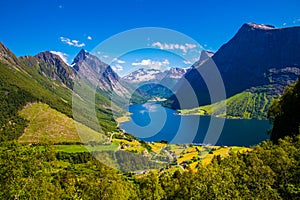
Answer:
(47, 125)
(85, 148)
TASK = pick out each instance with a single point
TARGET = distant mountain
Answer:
(153, 75)
(258, 56)
(52, 66)
(154, 82)
(98, 73)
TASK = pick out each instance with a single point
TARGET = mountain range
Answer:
(154, 82)
(255, 65)
(46, 78)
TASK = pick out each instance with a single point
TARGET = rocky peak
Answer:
(80, 56)
(50, 58)
(51, 66)
(98, 73)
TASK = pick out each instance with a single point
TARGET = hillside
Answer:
(246, 105)
(47, 125)
(22, 82)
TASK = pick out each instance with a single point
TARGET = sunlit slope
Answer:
(47, 125)
(246, 105)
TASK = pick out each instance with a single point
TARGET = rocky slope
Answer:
(98, 73)
(52, 66)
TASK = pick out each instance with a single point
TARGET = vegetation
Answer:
(285, 113)
(70, 170)
(247, 105)
(47, 125)
(270, 171)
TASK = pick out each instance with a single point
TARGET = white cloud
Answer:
(117, 68)
(152, 64)
(118, 61)
(183, 47)
(89, 37)
(71, 42)
(62, 55)
(284, 24)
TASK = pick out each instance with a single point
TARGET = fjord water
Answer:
(152, 122)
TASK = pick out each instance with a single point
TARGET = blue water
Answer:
(152, 122)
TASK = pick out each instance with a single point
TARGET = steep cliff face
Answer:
(246, 60)
(257, 55)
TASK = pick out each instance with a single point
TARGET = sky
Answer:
(66, 26)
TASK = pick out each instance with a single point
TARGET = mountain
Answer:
(46, 78)
(259, 58)
(205, 56)
(98, 73)
(154, 82)
(142, 76)
(52, 66)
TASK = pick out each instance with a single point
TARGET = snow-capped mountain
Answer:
(143, 75)
(155, 83)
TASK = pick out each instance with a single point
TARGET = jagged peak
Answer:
(48, 56)
(80, 56)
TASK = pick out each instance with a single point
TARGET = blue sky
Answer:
(29, 27)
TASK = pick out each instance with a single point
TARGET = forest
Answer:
(270, 171)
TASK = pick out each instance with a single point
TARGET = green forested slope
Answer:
(20, 84)
(246, 105)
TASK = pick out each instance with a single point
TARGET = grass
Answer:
(156, 146)
(131, 143)
(193, 165)
(86, 148)
(240, 149)
(178, 149)
(187, 157)
(47, 125)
